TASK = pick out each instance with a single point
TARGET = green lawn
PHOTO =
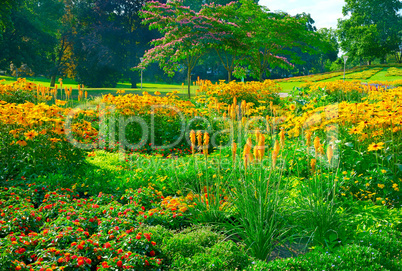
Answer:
(95, 92)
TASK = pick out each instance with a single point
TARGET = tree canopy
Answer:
(373, 29)
(98, 42)
(241, 33)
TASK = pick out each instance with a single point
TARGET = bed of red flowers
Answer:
(61, 230)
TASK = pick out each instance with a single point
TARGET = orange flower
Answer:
(330, 153)
(313, 162)
(22, 143)
(234, 149)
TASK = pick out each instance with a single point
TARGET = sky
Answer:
(325, 13)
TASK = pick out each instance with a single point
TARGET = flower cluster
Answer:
(251, 92)
(58, 229)
(364, 74)
(394, 72)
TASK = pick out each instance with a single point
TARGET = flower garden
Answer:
(236, 178)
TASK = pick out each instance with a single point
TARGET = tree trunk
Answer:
(189, 82)
(53, 81)
(261, 74)
(134, 78)
(369, 62)
(229, 76)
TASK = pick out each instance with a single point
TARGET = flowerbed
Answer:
(43, 229)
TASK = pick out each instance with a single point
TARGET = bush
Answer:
(33, 141)
(21, 92)
(252, 92)
(222, 256)
(190, 242)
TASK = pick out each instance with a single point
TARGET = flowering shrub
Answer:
(251, 92)
(34, 139)
(160, 116)
(339, 90)
(61, 230)
(22, 91)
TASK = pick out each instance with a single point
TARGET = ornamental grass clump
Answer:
(257, 206)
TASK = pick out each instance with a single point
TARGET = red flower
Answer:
(107, 245)
(119, 263)
(152, 253)
(80, 262)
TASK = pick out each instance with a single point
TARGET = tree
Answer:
(330, 51)
(109, 41)
(230, 47)
(6, 9)
(373, 29)
(271, 36)
(187, 35)
(62, 56)
(196, 5)
(29, 40)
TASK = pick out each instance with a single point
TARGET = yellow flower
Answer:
(292, 107)
(54, 140)
(376, 146)
(60, 103)
(381, 186)
(30, 135)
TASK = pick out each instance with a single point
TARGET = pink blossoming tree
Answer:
(188, 35)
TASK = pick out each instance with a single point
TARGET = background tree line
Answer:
(98, 42)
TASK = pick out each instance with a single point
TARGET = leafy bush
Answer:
(251, 92)
(221, 256)
(190, 242)
(34, 141)
(21, 92)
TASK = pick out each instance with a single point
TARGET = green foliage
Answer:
(190, 242)
(258, 211)
(29, 40)
(222, 256)
(373, 29)
(40, 156)
(319, 212)
(388, 242)
(349, 257)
